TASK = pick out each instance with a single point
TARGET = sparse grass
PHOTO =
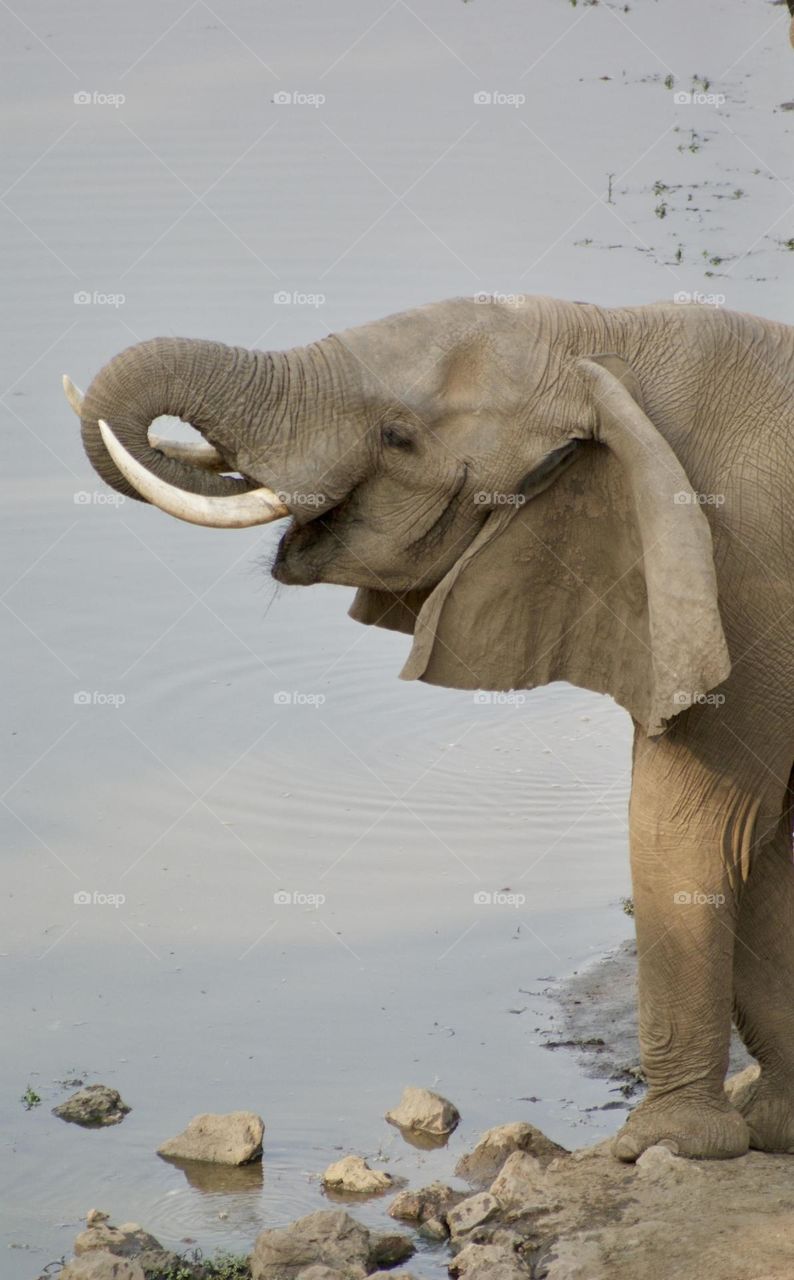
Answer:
(669, 81)
(627, 906)
(193, 1266)
(661, 209)
(30, 1098)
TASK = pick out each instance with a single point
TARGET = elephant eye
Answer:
(396, 436)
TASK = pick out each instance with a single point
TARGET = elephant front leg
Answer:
(764, 992)
(683, 828)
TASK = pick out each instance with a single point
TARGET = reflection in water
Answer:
(221, 1179)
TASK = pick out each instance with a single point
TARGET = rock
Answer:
(391, 1275)
(102, 1266)
(234, 1138)
(422, 1111)
(428, 1204)
(94, 1106)
(480, 1166)
(330, 1237)
(124, 1241)
(521, 1185)
(389, 1250)
(354, 1174)
(472, 1212)
(490, 1262)
(320, 1272)
(659, 1162)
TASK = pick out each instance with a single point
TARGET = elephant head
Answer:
(496, 480)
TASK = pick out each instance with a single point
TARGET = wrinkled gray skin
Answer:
(590, 559)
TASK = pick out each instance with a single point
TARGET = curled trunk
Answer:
(206, 384)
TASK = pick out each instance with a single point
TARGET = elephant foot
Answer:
(767, 1107)
(696, 1127)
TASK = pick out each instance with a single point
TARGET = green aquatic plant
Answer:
(30, 1098)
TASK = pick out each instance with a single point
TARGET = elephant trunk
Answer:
(207, 384)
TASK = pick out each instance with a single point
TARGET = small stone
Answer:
(102, 1266)
(424, 1111)
(480, 1166)
(489, 1262)
(94, 1106)
(354, 1174)
(472, 1212)
(330, 1237)
(389, 1250)
(124, 1241)
(425, 1205)
(234, 1138)
(433, 1229)
(660, 1162)
(521, 1184)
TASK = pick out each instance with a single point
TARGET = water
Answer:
(151, 751)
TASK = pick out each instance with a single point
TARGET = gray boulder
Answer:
(94, 1106)
(234, 1138)
(480, 1166)
(330, 1237)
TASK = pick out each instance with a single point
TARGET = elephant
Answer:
(537, 490)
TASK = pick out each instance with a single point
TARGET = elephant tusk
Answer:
(237, 511)
(197, 455)
(73, 394)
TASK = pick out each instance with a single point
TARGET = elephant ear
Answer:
(605, 579)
